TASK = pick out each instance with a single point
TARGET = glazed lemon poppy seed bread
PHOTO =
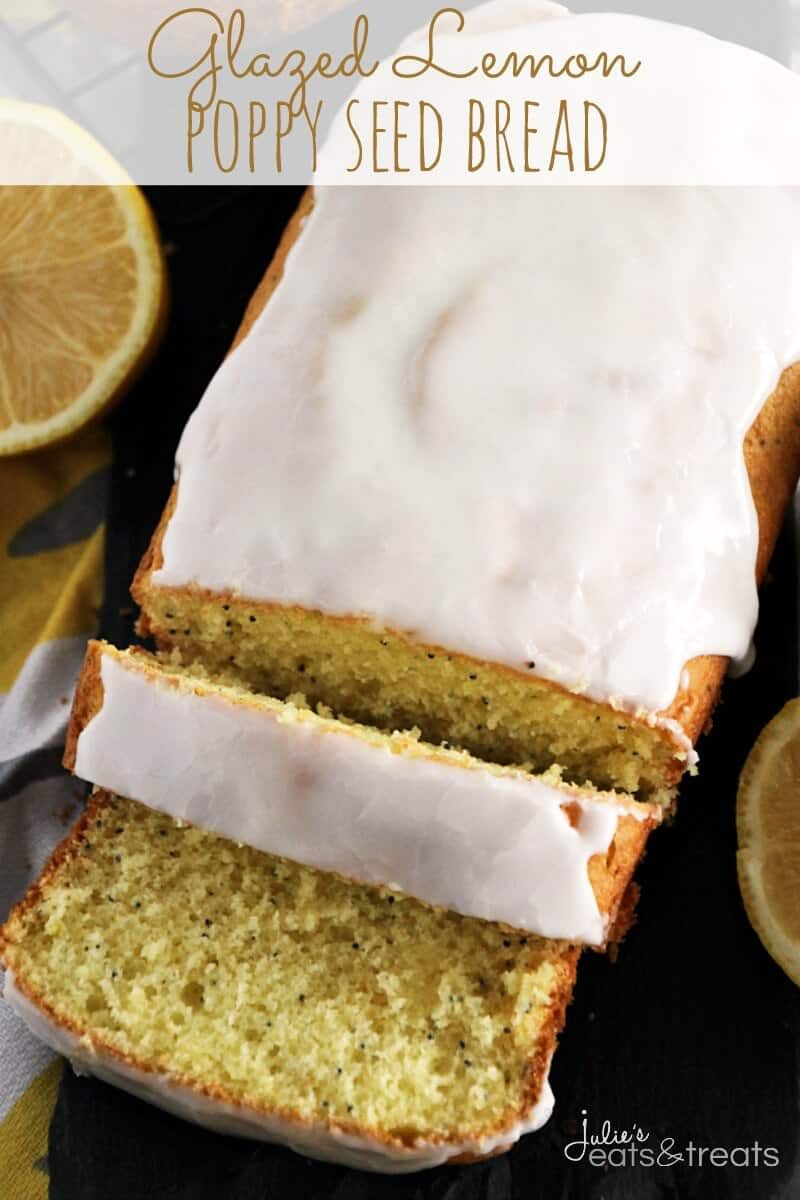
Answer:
(464, 533)
(490, 842)
(264, 998)
(365, 526)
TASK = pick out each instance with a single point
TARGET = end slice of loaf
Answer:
(487, 841)
(270, 1000)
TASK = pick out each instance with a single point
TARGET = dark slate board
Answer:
(693, 1034)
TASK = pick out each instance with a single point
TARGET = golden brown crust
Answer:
(610, 874)
(86, 703)
(772, 457)
(625, 919)
(71, 848)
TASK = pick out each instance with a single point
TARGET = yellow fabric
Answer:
(51, 560)
(57, 592)
(23, 1138)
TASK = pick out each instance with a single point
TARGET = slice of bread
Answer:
(267, 999)
(390, 678)
(487, 841)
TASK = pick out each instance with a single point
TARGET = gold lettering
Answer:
(530, 133)
(284, 119)
(399, 136)
(260, 110)
(352, 105)
(425, 163)
(193, 131)
(500, 133)
(421, 65)
(477, 120)
(562, 124)
(220, 106)
(588, 107)
(376, 130)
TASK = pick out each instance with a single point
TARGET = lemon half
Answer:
(82, 278)
(768, 828)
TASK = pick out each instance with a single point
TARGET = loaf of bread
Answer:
(266, 999)
(464, 534)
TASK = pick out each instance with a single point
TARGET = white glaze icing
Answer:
(741, 666)
(324, 1142)
(510, 420)
(594, 516)
(498, 847)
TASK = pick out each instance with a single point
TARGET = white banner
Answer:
(509, 92)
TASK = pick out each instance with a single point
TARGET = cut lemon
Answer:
(768, 826)
(82, 279)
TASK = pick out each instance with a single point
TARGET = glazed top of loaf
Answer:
(508, 421)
